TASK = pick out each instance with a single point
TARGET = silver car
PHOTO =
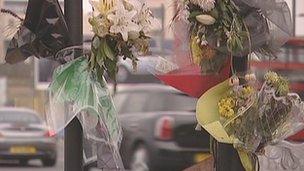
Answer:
(24, 136)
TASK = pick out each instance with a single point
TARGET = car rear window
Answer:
(18, 117)
(137, 102)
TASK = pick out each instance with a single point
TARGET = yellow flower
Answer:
(100, 26)
(226, 106)
(247, 91)
(196, 50)
(272, 78)
(103, 6)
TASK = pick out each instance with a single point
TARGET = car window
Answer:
(149, 101)
(18, 117)
(131, 102)
(166, 101)
(120, 99)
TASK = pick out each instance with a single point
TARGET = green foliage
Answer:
(104, 56)
(229, 27)
(107, 50)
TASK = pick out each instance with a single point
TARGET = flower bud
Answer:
(198, 40)
(247, 77)
(205, 19)
(252, 77)
(234, 81)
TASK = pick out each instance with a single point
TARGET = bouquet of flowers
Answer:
(221, 28)
(78, 89)
(280, 111)
(121, 28)
(251, 119)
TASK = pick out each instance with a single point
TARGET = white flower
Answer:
(123, 21)
(144, 17)
(205, 19)
(206, 5)
(204, 43)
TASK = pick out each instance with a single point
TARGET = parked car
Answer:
(24, 136)
(159, 128)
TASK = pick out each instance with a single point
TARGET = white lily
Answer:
(122, 21)
(144, 17)
(206, 5)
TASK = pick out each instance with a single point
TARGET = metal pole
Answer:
(73, 150)
(227, 158)
(294, 16)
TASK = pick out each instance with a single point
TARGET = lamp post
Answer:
(73, 150)
(226, 156)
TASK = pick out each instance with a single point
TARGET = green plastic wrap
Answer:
(78, 92)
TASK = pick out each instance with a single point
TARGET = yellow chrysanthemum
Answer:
(272, 77)
(226, 106)
(247, 91)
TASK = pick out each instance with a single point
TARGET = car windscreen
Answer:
(18, 117)
(137, 102)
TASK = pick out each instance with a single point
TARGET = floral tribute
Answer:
(222, 28)
(78, 88)
(249, 118)
(121, 28)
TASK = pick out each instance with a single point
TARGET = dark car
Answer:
(159, 128)
(23, 136)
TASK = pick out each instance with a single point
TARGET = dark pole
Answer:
(294, 16)
(227, 158)
(73, 150)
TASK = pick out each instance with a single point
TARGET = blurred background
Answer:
(159, 131)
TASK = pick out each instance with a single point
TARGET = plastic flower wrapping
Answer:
(251, 118)
(78, 92)
(42, 33)
(121, 30)
(283, 156)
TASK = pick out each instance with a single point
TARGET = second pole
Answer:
(73, 150)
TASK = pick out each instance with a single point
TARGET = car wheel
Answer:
(48, 162)
(123, 74)
(23, 162)
(140, 159)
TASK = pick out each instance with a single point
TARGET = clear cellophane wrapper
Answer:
(269, 24)
(77, 92)
(283, 156)
(266, 119)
